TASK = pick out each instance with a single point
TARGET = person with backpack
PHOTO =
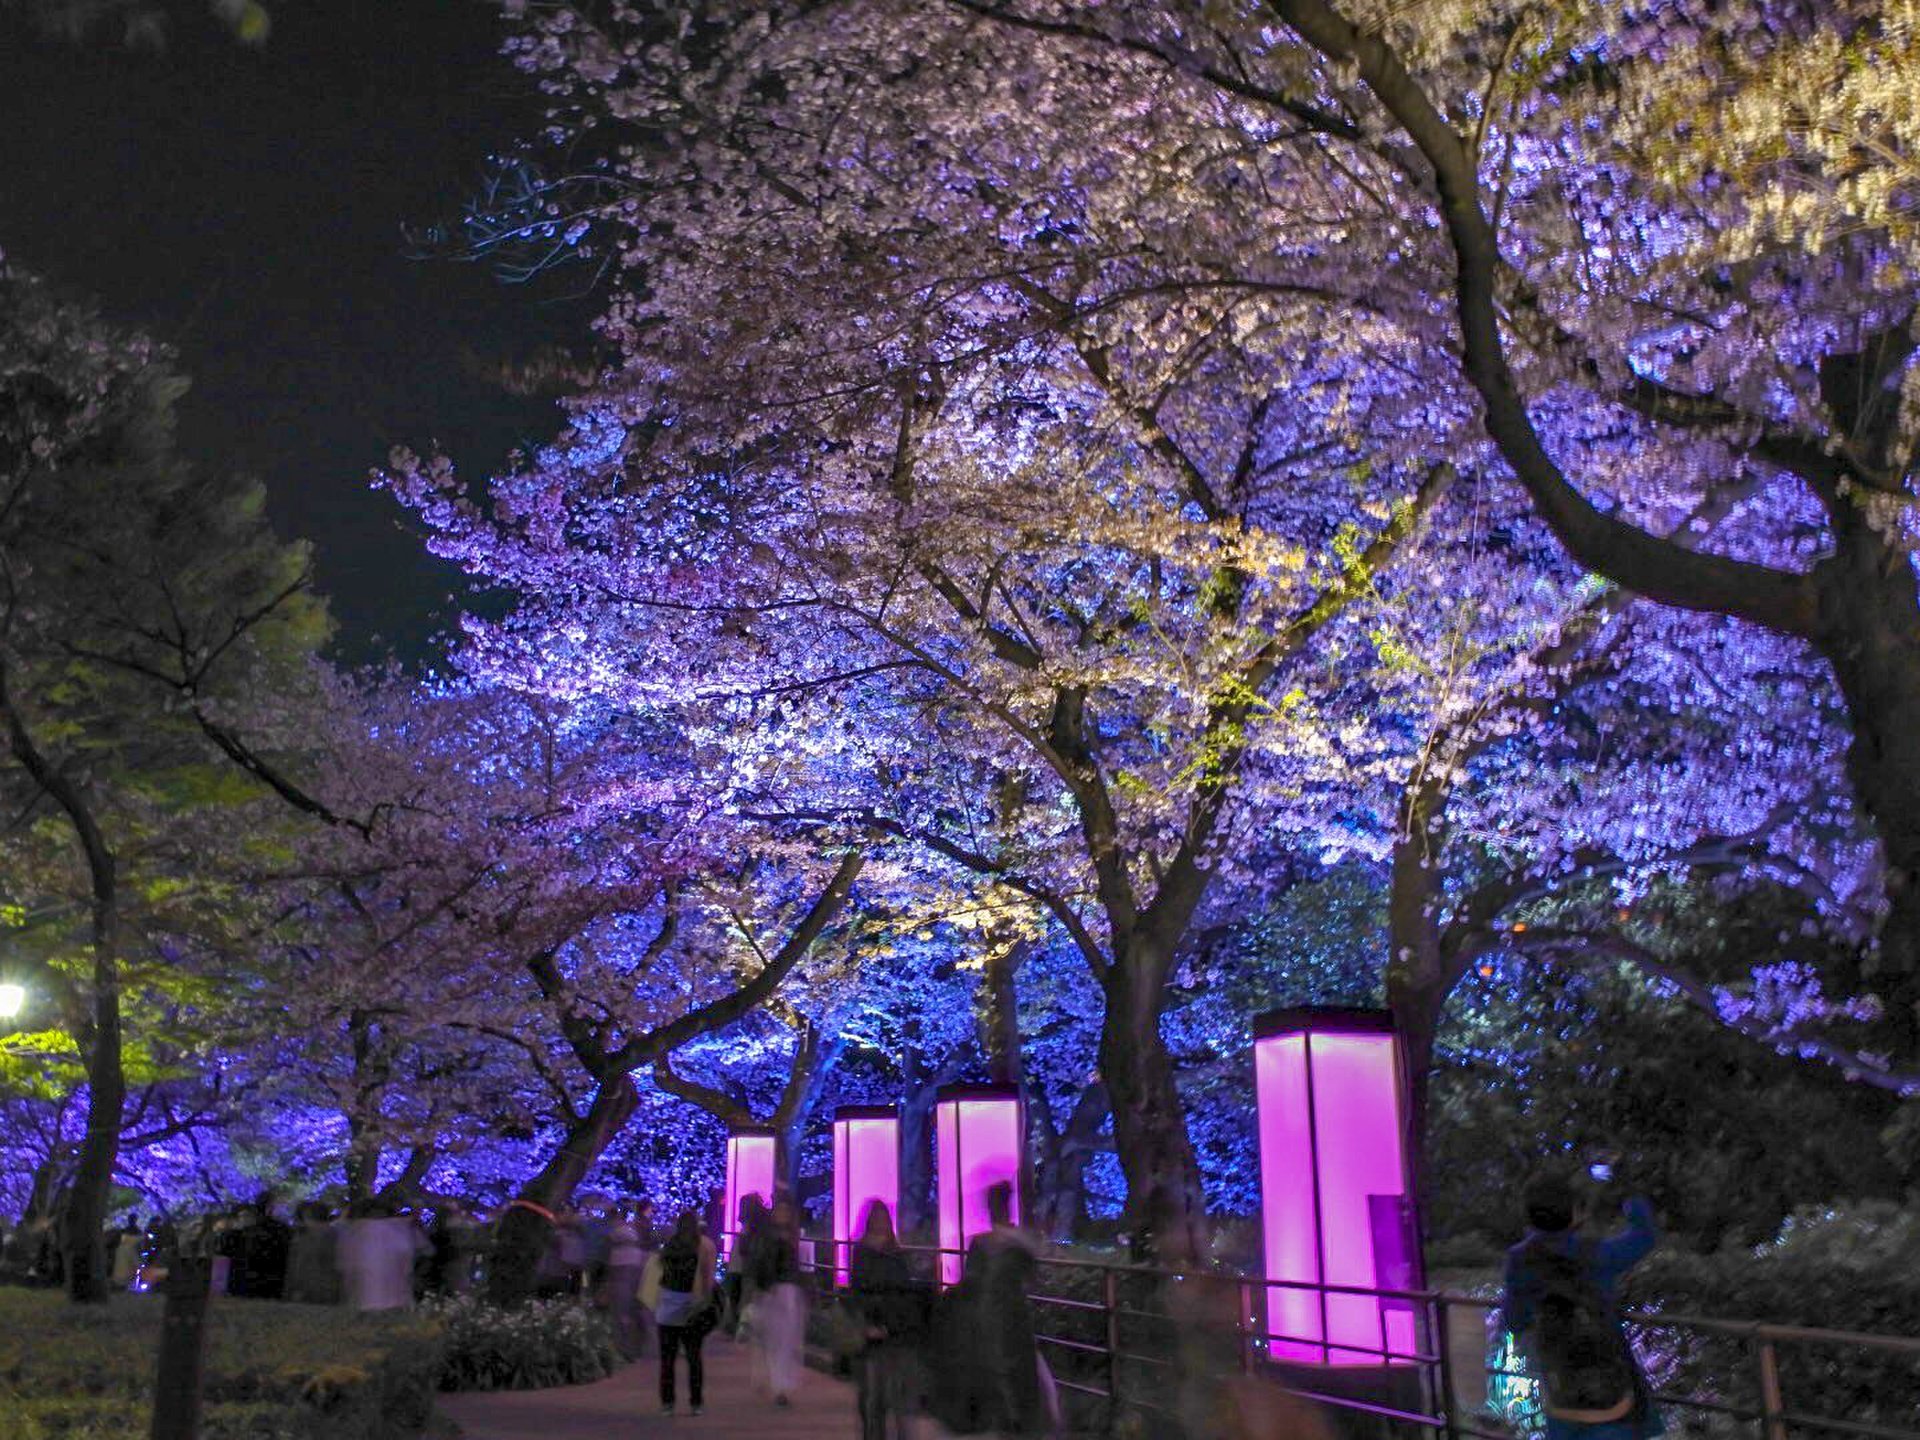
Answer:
(1562, 1305)
(678, 1288)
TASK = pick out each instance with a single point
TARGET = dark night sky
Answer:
(246, 206)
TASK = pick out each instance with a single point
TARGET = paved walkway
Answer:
(627, 1407)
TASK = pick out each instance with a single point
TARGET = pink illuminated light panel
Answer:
(977, 1144)
(866, 1171)
(752, 1162)
(1332, 1165)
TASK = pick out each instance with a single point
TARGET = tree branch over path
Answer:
(1643, 562)
(1859, 1065)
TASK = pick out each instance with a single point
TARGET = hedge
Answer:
(545, 1343)
(274, 1371)
(1855, 1268)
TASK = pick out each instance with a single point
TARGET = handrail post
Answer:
(1773, 1425)
(1440, 1337)
(1247, 1327)
(1110, 1299)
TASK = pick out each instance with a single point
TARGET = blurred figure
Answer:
(596, 1233)
(892, 1307)
(452, 1244)
(313, 1257)
(378, 1248)
(1562, 1304)
(40, 1243)
(779, 1304)
(678, 1288)
(218, 1238)
(258, 1246)
(125, 1253)
(627, 1260)
(999, 1273)
(747, 1240)
(558, 1273)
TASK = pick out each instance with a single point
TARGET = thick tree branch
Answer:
(1646, 563)
(645, 1049)
(1858, 1065)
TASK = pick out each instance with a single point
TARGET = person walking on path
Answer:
(1562, 1304)
(779, 1305)
(998, 1275)
(678, 1288)
(892, 1309)
(626, 1265)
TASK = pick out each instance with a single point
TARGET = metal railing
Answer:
(1110, 1339)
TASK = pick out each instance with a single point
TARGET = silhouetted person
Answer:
(313, 1256)
(1562, 1304)
(679, 1289)
(747, 1242)
(258, 1245)
(999, 1273)
(454, 1242)
(892, 1309)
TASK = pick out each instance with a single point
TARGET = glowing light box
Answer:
(866, 1172)
(1334, 1186)
(753, 1160)
(979, 1134)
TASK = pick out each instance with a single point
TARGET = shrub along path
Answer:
(628, 1405)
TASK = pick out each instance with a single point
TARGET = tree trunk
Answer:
(183, 1349)
(801, 1099)
(1166, 1212)
(1000, 1018)
(88, 1278)
(1417, 984)
(521, 1236)
(1062, 1211)
(1870, 633)
(364, 1147)
(99, 1153)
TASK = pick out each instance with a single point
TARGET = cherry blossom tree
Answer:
(1639, 288)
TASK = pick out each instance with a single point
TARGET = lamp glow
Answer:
(979, 1136)
(752, 1164)
(866, 1172)
(13, 999)
(1334, 1186)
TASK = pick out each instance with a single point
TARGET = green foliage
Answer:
(274, 1371)
(1544, 1061)
(1844, 1268)
(547, 1343)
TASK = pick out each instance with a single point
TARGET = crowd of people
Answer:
(374, 1255)
(965, 1354)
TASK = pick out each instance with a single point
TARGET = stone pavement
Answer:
(627, 1407)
